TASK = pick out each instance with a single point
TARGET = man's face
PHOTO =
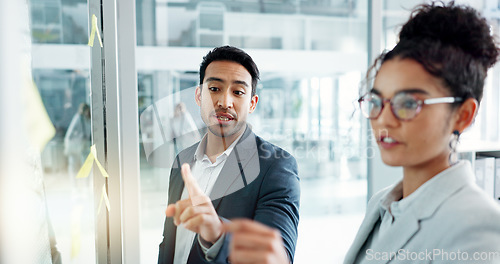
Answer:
(225, 98)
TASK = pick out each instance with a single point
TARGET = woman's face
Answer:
(423, 140)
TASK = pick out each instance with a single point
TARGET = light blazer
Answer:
(268, 191)
(454, 214)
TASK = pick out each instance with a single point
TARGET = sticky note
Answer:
(94, 30)
(101, 169)
(104, 196)
(85, 171)
(39, 127)
(87, 165)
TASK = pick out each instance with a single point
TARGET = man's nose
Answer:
(225, 100)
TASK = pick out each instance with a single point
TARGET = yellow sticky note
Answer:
(101, 168)
(39, 127)
(85, 171)
(98, 34)
(106, 200)
(104, 196)
(87, 166)
(94, 30)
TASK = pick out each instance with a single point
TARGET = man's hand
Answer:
(197, 212)
(254, 242)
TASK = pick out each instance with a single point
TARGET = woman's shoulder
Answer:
(468, 220)
(472, 203)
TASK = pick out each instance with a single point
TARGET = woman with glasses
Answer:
(426, 92)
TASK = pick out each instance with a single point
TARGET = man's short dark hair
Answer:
(233, 54)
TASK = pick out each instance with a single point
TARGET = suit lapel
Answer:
(429, 200)
(176, 185)
(408, 225)
(371, 218)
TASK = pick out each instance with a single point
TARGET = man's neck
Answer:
(217, 145)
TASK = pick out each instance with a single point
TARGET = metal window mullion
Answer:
(129, 134)
(374, 48)
(117, 237)
(115, 132)
(98, 135)
(112, 130)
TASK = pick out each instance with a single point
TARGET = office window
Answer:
(59, 21)
(307, 102)
(312, 56)
(62, 77)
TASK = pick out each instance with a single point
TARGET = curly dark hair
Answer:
(229, 53)
(452, 42)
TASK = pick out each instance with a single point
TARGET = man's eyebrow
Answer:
(242, 83)
(214, 79)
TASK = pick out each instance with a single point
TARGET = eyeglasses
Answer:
(405, 106)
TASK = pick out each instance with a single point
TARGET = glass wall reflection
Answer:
(298, 25)
(70, 199)
(66, 96)
(59, 21)
(310, 112)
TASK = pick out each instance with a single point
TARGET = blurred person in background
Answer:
(77, 139)
(183, 129)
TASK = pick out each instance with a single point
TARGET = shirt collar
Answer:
(200, 150)
(428, 194)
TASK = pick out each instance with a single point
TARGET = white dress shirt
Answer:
(206, 173)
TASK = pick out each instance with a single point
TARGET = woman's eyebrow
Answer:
(375, 91)
(412, 90)
(403, 90)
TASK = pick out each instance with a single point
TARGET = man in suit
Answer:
(235, 174)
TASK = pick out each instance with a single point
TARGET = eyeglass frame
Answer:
(420, 104)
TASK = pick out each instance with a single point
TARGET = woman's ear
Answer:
(465, 114)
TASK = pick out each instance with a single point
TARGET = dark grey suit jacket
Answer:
(258, 181)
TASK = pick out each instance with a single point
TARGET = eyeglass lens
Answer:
(403, 105)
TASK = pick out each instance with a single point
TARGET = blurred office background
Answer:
(312, 55)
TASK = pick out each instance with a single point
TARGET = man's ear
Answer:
(253, 103)
(197, 95)
(465, 115)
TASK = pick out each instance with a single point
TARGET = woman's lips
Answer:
(387, 142)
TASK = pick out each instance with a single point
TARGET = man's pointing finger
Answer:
(196, 195)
